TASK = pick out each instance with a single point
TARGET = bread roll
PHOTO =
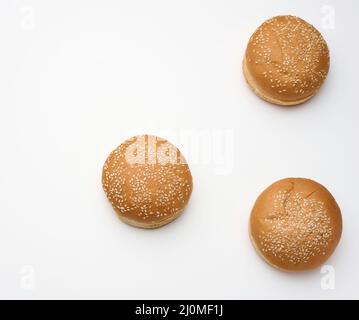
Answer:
(295, 224)
(147, 181)
(286, 61)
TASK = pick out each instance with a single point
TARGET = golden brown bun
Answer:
(286, 61)
(295, 224)
(147, 181)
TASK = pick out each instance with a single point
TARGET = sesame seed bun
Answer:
(295, 225)
(147, 181)
(286, 61)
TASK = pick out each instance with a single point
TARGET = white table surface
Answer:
(79, 77)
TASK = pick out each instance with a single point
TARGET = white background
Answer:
(79, 77)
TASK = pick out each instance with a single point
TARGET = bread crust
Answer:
(286, 61)
(295, 225)
(147, 181)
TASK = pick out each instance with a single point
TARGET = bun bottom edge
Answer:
(153, 225)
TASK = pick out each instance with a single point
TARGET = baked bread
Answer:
(147, 181)
(286, 61)
(295, 224)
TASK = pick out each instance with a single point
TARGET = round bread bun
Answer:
(147, 181)
(295, 225)
(286, 61)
